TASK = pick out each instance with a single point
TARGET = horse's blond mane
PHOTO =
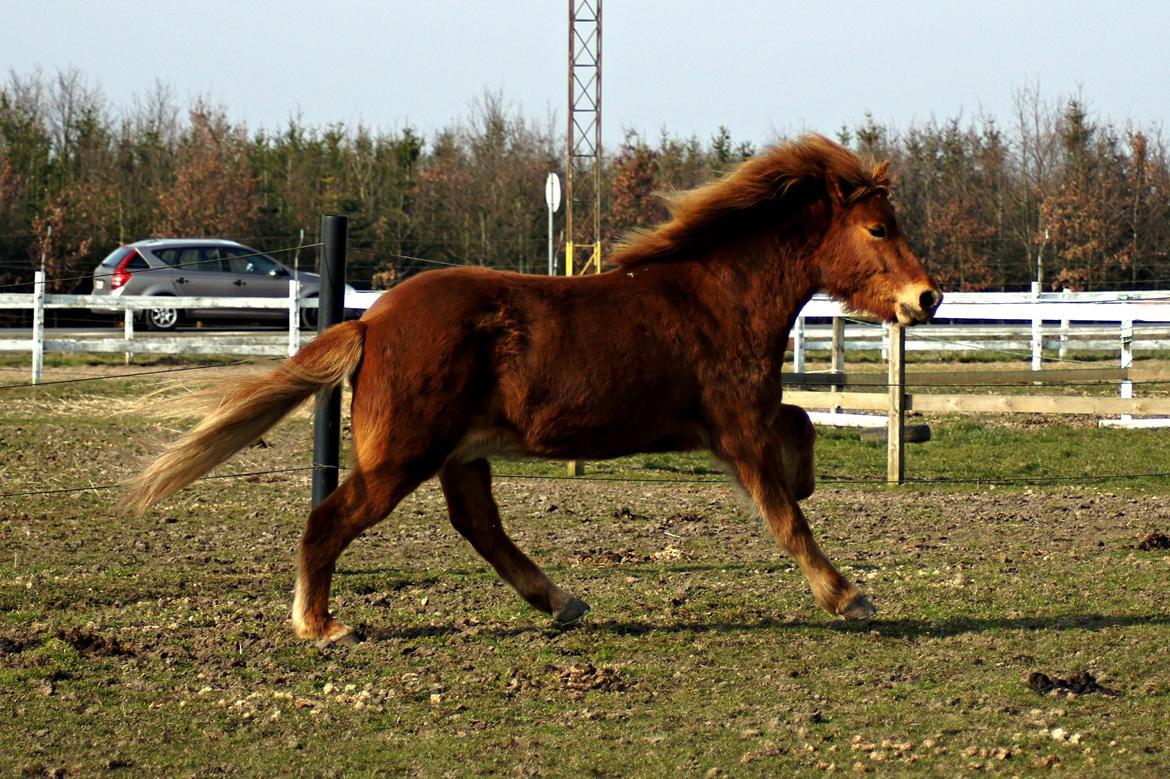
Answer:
(767, 176)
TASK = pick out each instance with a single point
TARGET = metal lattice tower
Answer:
(583, 166)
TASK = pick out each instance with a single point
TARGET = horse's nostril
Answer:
(928, 301)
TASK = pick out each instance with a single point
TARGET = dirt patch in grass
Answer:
(1081, 683)
(89, 643)
(1155, 540)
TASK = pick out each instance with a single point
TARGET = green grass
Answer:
(159, 645)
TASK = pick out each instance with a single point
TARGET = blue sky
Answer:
(761, 68)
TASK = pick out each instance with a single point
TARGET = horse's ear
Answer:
(840, 189)
(881, 171)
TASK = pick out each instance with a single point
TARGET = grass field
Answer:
(160, 646)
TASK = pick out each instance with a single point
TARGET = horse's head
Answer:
(868, 265)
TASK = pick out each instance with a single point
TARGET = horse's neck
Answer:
(771, 282)
(782, 290)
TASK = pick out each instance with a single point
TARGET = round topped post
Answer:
(331, 311)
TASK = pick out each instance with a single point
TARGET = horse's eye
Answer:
(878, 231)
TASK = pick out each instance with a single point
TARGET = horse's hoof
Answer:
(572, 611)
(339, 635)
(858, 607)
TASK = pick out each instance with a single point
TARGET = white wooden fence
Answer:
(1072, 315)
(131, 343)
(1060, 322)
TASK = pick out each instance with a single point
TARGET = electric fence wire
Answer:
(1035, 481)
(134, 374)
(118, 485)
(977, 347)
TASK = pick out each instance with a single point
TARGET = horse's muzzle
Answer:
(919, 308)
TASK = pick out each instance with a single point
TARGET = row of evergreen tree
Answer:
(1052, 193)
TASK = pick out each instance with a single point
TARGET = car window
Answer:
(242, 260)
(190, 258)
(169, 256)
(116, 256)
(212, 258)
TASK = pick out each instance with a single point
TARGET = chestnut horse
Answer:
(677, 347)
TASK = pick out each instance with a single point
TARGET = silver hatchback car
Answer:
(204, 267)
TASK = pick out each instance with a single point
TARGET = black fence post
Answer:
(327, 421)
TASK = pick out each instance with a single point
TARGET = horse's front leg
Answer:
(763, 478)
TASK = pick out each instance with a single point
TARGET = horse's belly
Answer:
(608, 442)
(485, 443)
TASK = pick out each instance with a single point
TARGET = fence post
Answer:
(128, 332)
(1037, 333)
(798, 345)
(327, 420)
(1064, 330)
(837, 359)
(294, 316)
(38, 326)
(1126, 361)
(896, 422)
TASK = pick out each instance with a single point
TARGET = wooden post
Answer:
(38, 326)
(837, 359)
(294, 316)
(798, 345)
(896, 422)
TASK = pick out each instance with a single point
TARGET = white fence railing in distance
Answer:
(253, 344)
(1098, 313)
(1064, 321)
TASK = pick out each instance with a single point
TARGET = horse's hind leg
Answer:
(473, 511)
(365, 498)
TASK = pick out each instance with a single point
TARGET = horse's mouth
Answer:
(909, 315)
(906, 315)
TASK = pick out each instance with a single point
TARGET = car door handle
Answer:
(239, 283)
(181, 280)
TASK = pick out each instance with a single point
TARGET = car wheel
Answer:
(309, 318)
(161, 318)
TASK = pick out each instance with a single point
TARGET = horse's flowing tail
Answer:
(247, 411)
